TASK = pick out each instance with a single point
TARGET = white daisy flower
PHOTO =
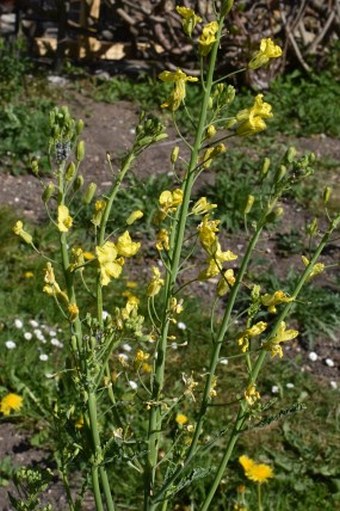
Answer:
(10, 345)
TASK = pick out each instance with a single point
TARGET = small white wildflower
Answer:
(105, 315)
(52, 333)
(127, 347)
(329, 362)
(290, 385)
(37, 332)
(181, 325)
(333, 384)
(275, 389)
(133, 384)
(18, 323)
(56, 342)
(10, 345)
(174, 345)
(33, 323)
(28, 336)
(43, 357)
(224, 361)
(313, 356)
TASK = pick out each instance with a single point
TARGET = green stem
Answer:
(155, 419)
(242, 416)
(259, 497)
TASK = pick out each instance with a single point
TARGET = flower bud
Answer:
(211, 131)
(35, 166)
(80, 151)
(174, 154)
(70, 171)
(290, 155)
(79, 126)
(227, 5)
(249, 204)
(312, 228)
(281, 172)
(48, 192)
(326, 194)
(89, 194)
(265, 167)
(78, 183)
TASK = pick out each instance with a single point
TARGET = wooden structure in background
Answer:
(150, 30)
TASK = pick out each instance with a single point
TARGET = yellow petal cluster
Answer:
(207, 37)
(52, 287)
(110, 265)
(202, 206)
(179, 79)
(169, 201)
(156, 282)
(162, 240)
(11, 403)
(251, 394)
(125, 246)
(19, 230)
(135, 215)
(282, 335)
(99, 208)
(210, 153)
(181, 419)
(268, 50)
(317, 268)
(65, 221)
(249, 333)
(226, 282)
(189, 19)
(271, 301)
(257, 472)
(251, 119)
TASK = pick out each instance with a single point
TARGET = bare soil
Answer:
(110, 127)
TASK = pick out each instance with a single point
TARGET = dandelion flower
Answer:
(10, 402)
(257, 472)
(181, 419)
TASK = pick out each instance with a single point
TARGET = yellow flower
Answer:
(211, 153)
(202, 206)
(257, 472)
(19, 230)
(271, 301)
(317, 268)
(11, 402)
(181, 419)
(156, 282)
(99, 208)
(110, 266)
(249, 333)
(189, 19)
(162, 242)
(208, 37)
(179, 79)
(169, 201)
(282, 335)
(52, 287)
(28, 275)
(268, 50)
(79, 424)
(141, 356)
(251, 395)
(215, 262)
(125, 246)
(73, 311)
(207, 233)
(226, 282)
(135, 215)
(65, 221)
(130, 306)
(251, 119)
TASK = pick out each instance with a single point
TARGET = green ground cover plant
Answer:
(155, 404)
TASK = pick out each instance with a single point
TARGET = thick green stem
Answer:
(155, 420)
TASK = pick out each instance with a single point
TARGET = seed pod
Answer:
(80, 151)
(89, 194)
(48, 192)
(70, 171)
